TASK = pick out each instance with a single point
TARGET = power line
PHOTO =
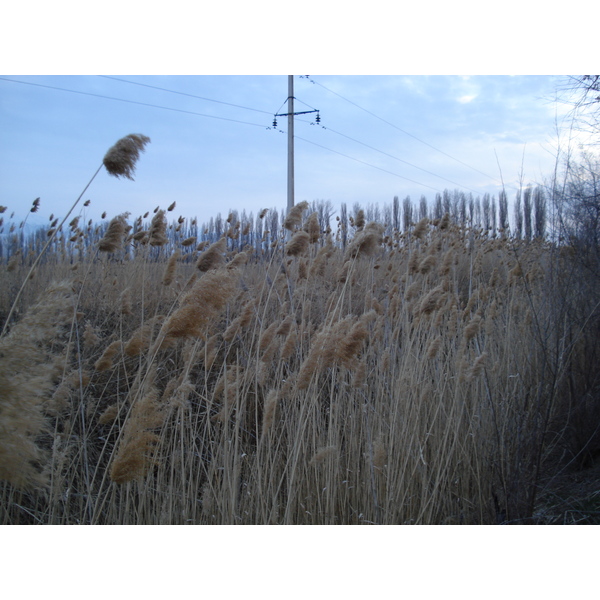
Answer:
(154, 87)
(189, 112)
(399, 159)
(365, 163)
(402, 130)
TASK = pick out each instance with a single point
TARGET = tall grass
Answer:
(419, 378)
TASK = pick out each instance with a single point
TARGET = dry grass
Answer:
(417, 379)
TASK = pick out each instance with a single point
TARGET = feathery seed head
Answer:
(158, 229)
(294, 217)
(121, 158)
(115, 234)
(298, 244)
(270, 409)
(212, 257)
(239, 260)
(170, 268)
(366, 241)
(201, 305)
(427, 264)
(472, 328)
(359, 223)
(421, 228)
(312, 228)
(322, 454)
(188, 241)
(105, 362)
(434, 347)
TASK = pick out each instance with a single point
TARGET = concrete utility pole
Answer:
(290, 169)
(290, 115)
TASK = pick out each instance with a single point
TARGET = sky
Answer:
(214, 148)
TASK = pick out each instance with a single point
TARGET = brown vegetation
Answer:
(419, 378)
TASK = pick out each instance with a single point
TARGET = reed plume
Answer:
(472, 329)
(189, 241)
(427, 264)
(141, 338)
(170, 268)
(421, 228)
(109, 415)
(90, 337)
(120, 160)
(126, 302)
(294, 216)
(298, 244)
(212, 257)
(322, 454)
(477, 366)
(366, 241)
(135, 454)
(115, 234)
(105, 362)
(336, 343)
(201, 305)
(270, 410)
(434, 347)
(359, 223)
(289, 346)
(430, 302)
(312, 228)
(240, 259)
(158, 229)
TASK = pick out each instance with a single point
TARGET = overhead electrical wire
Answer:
(154, 87)
(399, 129)
(189, 112)
(399, 159)
(363, 162)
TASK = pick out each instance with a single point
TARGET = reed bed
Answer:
(418, 378)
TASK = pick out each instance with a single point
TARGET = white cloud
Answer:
(467, 98)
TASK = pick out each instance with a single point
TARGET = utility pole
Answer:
(290, 167)
(290, 115)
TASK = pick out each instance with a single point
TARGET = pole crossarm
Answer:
(305, 112)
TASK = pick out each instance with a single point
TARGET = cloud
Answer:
(467, 98)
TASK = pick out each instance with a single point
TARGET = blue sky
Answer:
(379, 137)
(392, 89)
